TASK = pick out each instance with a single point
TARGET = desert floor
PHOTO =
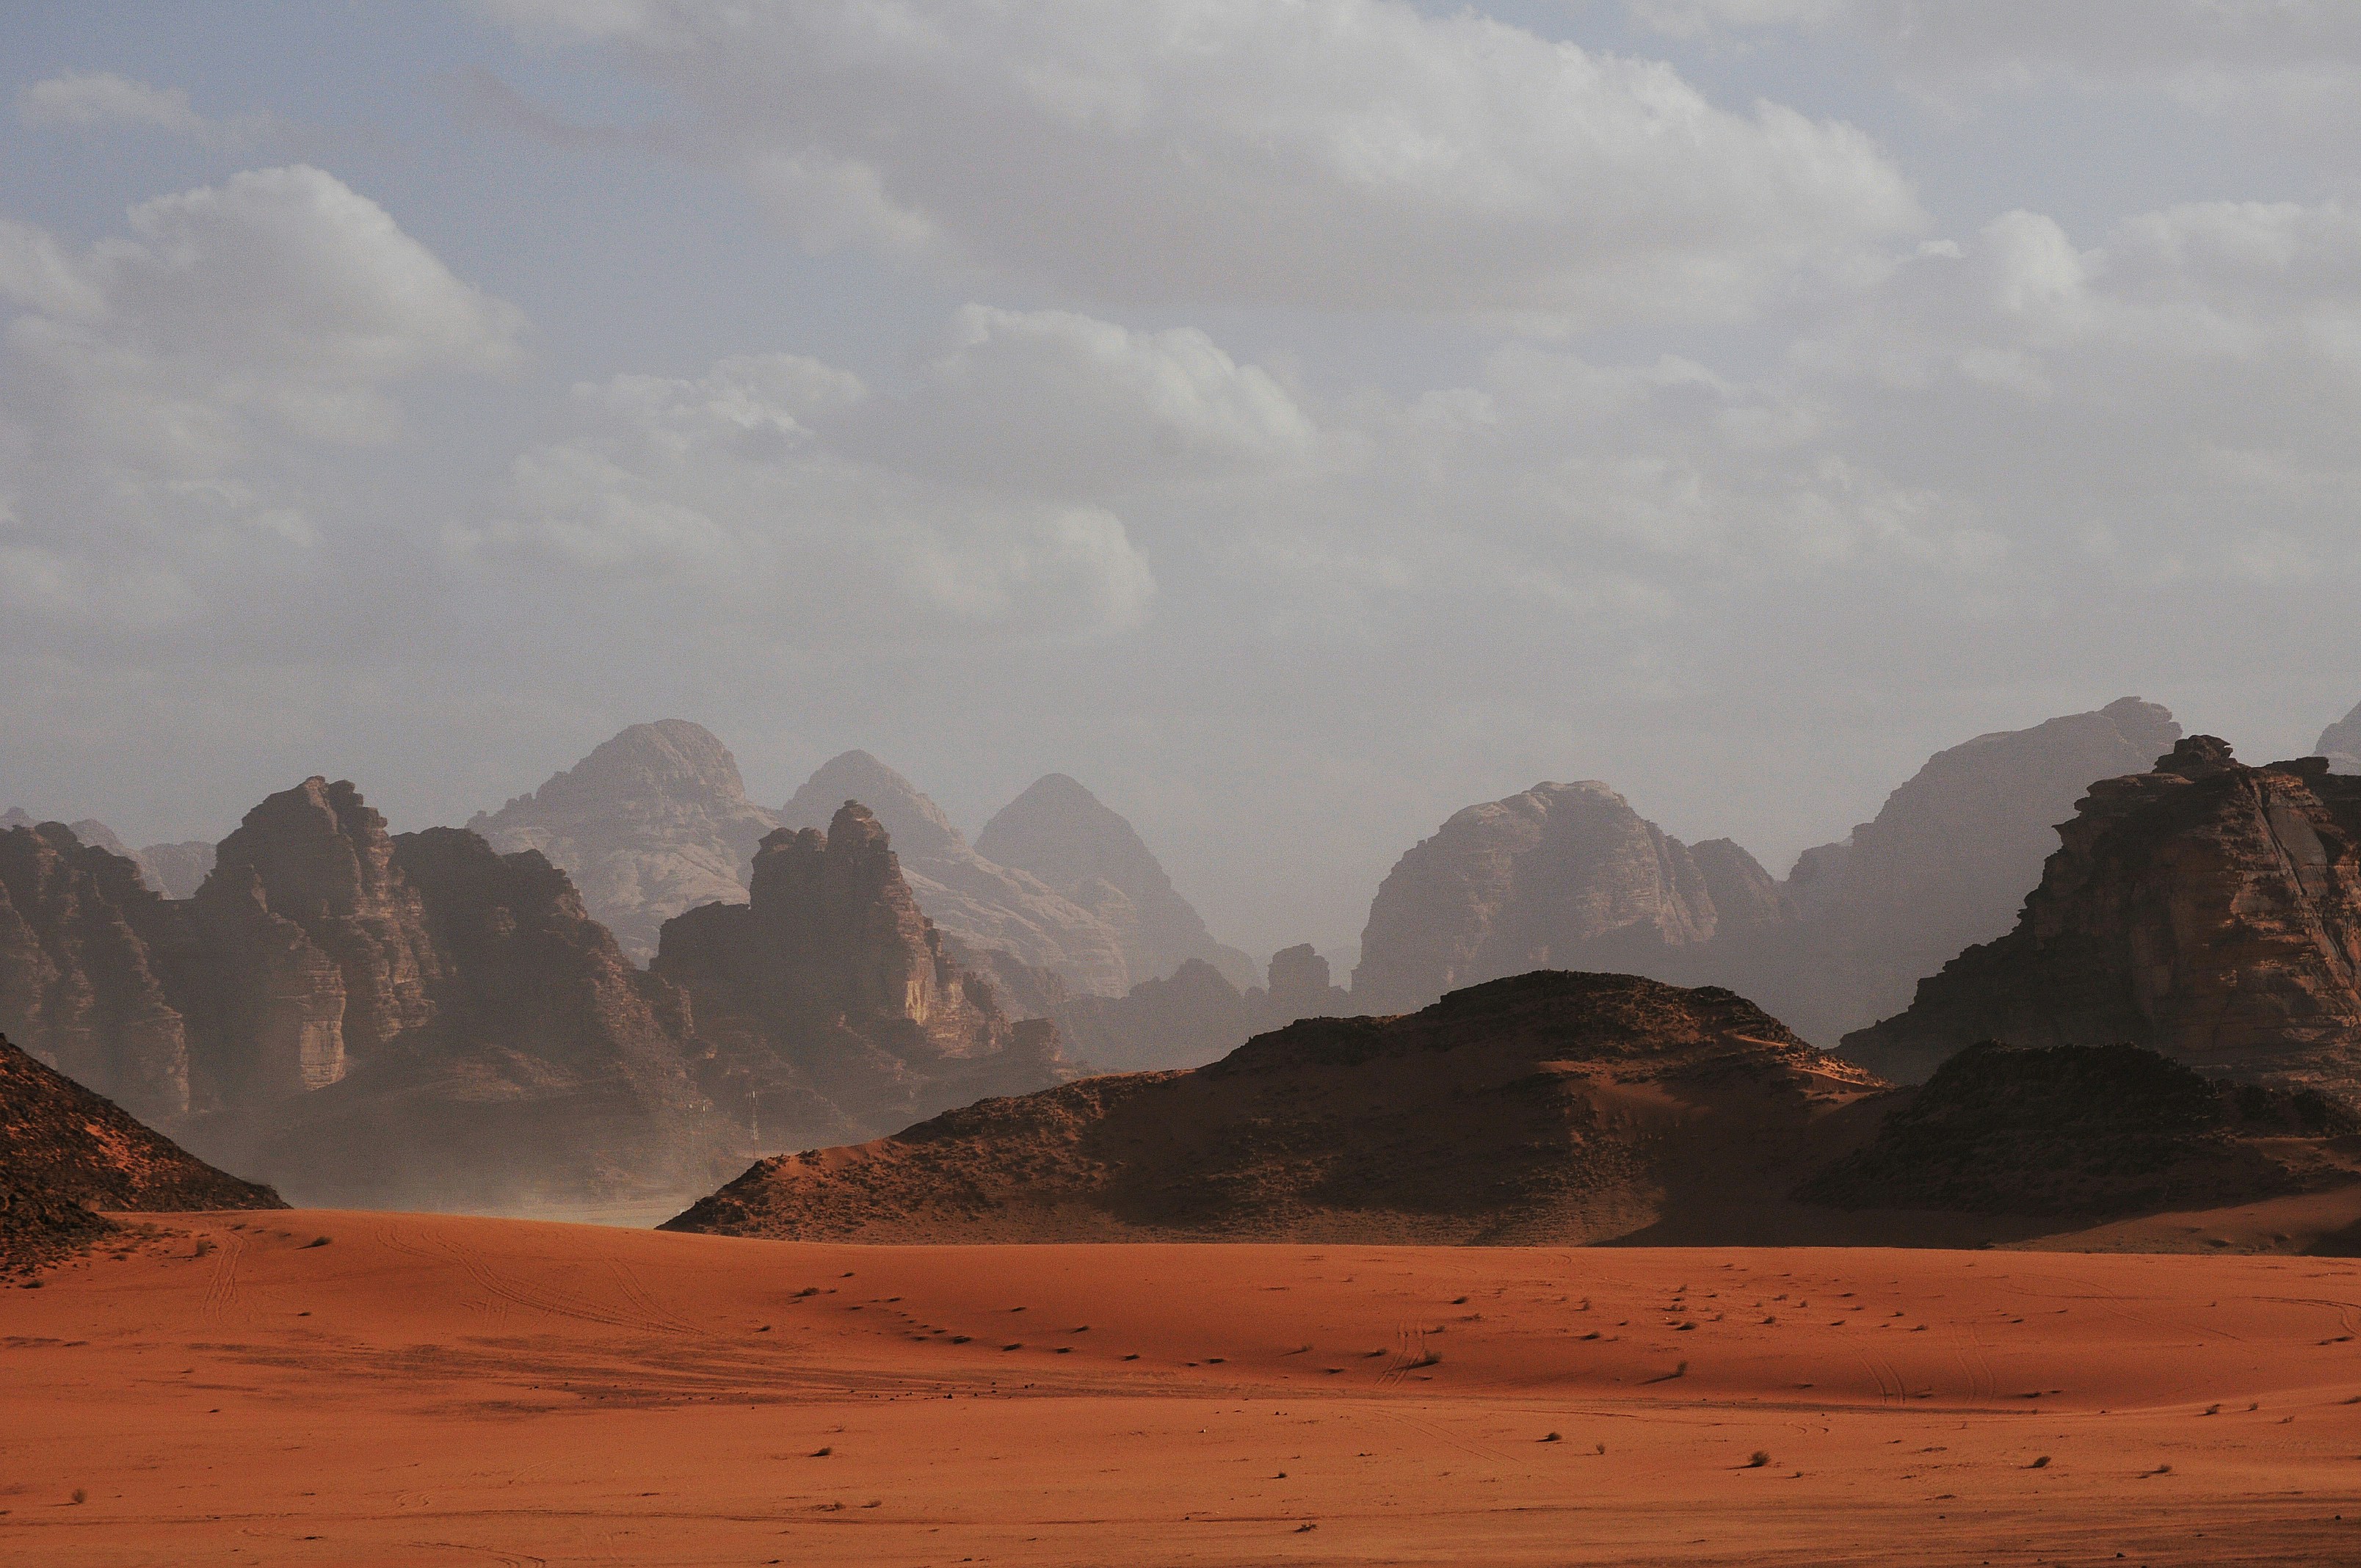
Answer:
(425, 1390)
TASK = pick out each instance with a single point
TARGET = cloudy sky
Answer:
(1297, 419)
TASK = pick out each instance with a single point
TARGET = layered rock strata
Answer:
(2206, 910)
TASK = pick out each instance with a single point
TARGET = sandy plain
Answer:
(426, 1390)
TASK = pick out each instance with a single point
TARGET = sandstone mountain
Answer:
(1946, 863)
(829, 1006)
(1564, 875)
(1548, 1108)
(84, 949)
(1061, 833)
(2341, 744)
(977, 904)
(2094, 1131)
(172, 870)
(65, 1152)
(2207, 910)
(653, 822)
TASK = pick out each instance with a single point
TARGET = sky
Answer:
(1296, 419)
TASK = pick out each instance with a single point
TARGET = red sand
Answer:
(429, 1389)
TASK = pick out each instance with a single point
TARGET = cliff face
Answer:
(830, 1002)
(1560, 1108)
(1946, 863)
(1061, 833)
(653, 822)
(1563, 876)
(1195, 1014)
(79, 980)
(2206, 910)
(976, 902)
(315, 951)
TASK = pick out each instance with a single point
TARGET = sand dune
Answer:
(432, 1390)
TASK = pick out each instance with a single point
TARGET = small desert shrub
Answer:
(80, 1496)
(2040, 1463)
(1553, 1437)
(317, 1241)
(1758, 1459)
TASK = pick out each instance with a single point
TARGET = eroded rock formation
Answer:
(1565, 876)
(2207, 910)
(1061, 833)
(1195, 1014)
(829, 1003)
(977, 903)
(2341, 744)
(82, 969)
(1551, 1107)
(653, 822)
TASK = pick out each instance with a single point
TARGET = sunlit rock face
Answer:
(653, 822)
(2207, 910)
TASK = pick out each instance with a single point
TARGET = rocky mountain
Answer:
(653, 822)
(84, 950)
(1195, 1014)
(976, 903)
(2094, 1131)
(1946, 863)
(828, 1004)
(65, 1152)
(2341, 744)
(1565, 876)
(172, 870)
(2206, 910)
(1551, 1107)
(1061, 833)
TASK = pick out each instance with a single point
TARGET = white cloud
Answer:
(104, 101)
(714, 501)
(2286, 59)
(1332, 153)
(165, 395)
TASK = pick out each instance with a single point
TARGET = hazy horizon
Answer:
(1294, 423)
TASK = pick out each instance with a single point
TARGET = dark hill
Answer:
(1549, 1107)
(2091, 1131)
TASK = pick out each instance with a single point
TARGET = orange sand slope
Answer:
(431, 1389)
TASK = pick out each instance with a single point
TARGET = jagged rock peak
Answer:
(2208, 910)
(1058, 831)
(984, 906)
(651, 822)
(917, 825)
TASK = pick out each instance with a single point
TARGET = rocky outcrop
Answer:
(2206, 910)
(315, 952)
(82, 979)
(829, 1003)
(653, 822)
(980, 904)
(2341, 744)
(1946, 863)
(1061, 833)
(1549, 1108)
(2094, 1131)
(1564, 875)
(65, 1151)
